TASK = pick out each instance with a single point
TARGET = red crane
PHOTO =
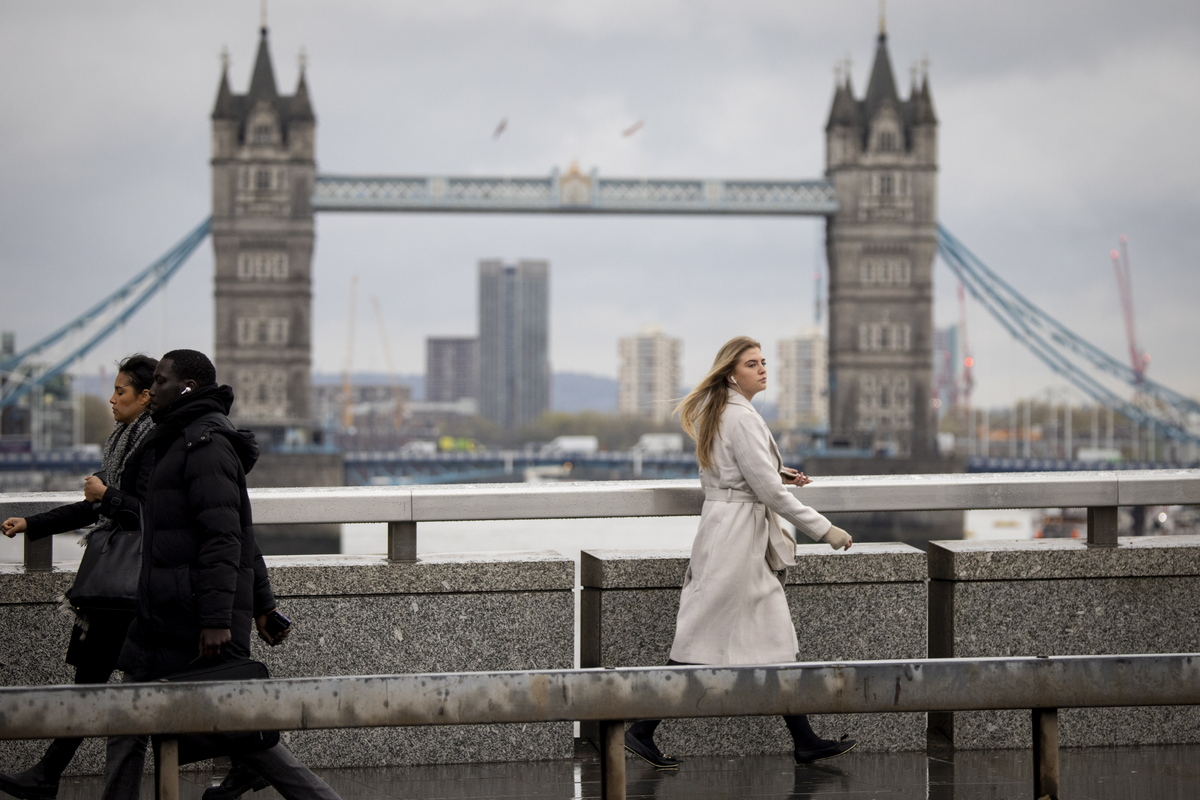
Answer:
(968, 374)
(1120, 258)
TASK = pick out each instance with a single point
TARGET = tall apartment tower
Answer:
(648, 374)
(881, 156)
(514, 341)
(803, 378)
(451, 368)
(263, 170)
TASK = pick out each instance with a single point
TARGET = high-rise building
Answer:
(514, 341)
(451, 368)
(263, 170)
(802, 375)
(649, 374)
(881, 156)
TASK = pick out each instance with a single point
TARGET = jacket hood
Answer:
(205, 414)
(188, 407)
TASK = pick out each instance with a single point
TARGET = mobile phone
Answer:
(277, 623)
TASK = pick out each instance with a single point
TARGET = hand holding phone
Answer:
(273, 627)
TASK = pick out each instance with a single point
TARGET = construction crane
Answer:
(397, 406)
(347, 385)
(1138, 360)
(967, 383)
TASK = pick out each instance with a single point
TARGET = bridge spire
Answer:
(882, 17)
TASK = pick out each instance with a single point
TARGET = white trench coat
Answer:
(733, 609)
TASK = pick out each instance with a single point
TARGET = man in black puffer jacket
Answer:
(202, 589)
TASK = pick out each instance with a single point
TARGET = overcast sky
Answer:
(1063, 125)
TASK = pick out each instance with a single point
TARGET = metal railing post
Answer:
(402, 542)
(612, 759)
(39, 554)
(166, 769)
(1102, 526)
(1045, 753)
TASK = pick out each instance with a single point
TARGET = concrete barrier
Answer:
(866, 603)
(1061, 597)
(356, 615)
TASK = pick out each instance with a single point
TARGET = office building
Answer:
(514, 339)
(649, 374)
(802, 375)
(451, 368)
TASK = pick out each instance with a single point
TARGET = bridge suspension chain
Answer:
(1065, 352)
(20, 376)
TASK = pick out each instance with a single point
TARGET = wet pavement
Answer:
(1164, 772)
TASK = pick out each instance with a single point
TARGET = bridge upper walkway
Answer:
(573, 193)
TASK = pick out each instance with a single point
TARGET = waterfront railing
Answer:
(404, 508)
(608, 696)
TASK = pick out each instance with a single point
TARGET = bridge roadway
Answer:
(383, 468)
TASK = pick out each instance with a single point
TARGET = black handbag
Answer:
(201, 746)
(108, 573)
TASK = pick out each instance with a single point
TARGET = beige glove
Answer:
(838, 539)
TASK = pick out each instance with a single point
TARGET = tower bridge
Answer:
(878, 197)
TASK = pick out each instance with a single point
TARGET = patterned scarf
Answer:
(121, 444)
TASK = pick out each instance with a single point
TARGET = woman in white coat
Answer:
(733, 609)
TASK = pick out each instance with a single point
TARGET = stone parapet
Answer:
(357, 615)
(1062, 597)
(864, 604)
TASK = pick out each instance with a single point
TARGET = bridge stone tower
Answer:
(263, 160)
(881, 156)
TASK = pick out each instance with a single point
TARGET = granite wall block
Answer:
(867, 603)
(1060, 597)
(358, 615)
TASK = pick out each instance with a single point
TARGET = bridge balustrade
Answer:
(608, 697)
(403, 508)
(382, 614)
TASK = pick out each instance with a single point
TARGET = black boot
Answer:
(241, 779)
(808, 747)
(639, 740)
(40, 782)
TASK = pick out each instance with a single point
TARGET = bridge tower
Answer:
(881, 156)
(263, 160)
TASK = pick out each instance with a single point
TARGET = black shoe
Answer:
(830, 750)
(29, 785)
(649, 752)
(241, 779)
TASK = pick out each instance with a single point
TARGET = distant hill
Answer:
(573, 392)
(570, 392)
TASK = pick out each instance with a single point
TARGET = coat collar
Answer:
(737, 398)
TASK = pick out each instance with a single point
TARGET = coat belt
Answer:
(781, 547)
(731, 496)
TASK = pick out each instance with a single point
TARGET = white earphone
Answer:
(186, 389)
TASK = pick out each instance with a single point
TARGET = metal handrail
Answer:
(610, 696)
(668, 498)
(403, 507)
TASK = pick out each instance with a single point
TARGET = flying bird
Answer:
(632, 129)
(500, 128)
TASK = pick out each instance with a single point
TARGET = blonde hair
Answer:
(700, 411)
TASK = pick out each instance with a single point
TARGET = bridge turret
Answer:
(263, 174)
(882, 159)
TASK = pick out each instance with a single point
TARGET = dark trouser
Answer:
(60, 752)
(290, 778)
(803, 736)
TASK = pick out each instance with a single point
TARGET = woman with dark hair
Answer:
(733, 609)
(111, 501)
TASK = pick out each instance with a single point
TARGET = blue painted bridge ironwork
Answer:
(574, 192)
